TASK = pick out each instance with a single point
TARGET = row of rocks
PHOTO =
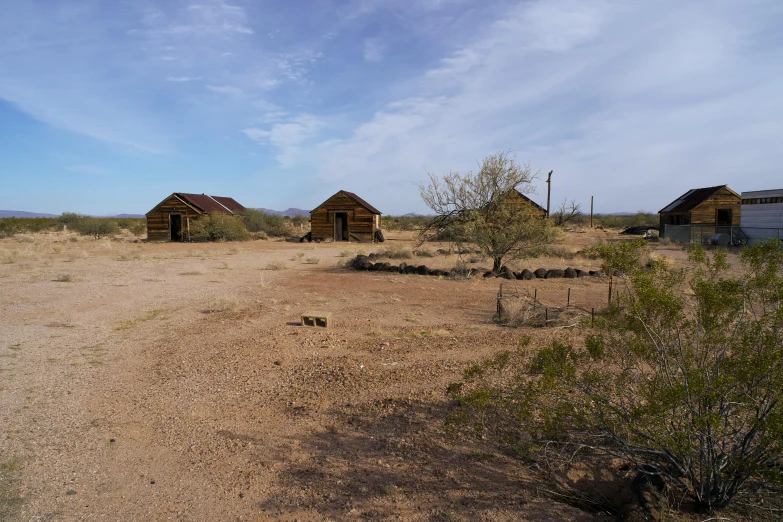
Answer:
(543, 273)
(362, 262)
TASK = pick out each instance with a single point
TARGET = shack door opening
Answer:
(724, 217)
(175, 226)
(341, 226)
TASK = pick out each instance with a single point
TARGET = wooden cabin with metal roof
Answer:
(171, 218)
(345, 217)
(718, 206)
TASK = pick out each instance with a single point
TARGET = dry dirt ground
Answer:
(173, 382)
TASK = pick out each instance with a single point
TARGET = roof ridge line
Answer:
(221, 204)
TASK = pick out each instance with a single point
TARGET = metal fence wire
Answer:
(715, 235)
(520, 305)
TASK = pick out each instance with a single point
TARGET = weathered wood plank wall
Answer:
(158, 218)
(361, 222)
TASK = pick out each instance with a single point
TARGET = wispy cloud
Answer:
(602, 92)
(225, 89)
(288, 137)
(373, 50)
(631, 100)
(182, 79)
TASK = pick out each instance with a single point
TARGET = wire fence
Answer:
(518, 305)
(725, 236)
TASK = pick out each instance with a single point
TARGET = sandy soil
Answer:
(172, 382)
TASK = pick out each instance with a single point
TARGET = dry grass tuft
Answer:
(152, 314)
(312, 260)
(423, 252)
(276, 265)
(395, 252)
(10, 496)
(220, 305)
(64, 278)
(133, 255)
(8, 257)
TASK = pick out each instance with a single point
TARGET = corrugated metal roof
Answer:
(772, 193)
(691, 199)
(211, 204)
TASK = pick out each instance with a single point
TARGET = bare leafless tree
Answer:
(566, 212)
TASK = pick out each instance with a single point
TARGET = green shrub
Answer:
(218, 227)
(682, 378)
(258, 221)
(299, 220)
(395, 252)
(96, 227)
(138, 227)
(10, 226)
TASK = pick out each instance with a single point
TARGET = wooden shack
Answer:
(345, 217)
(523, 203)
(718, 206)
(170, 219)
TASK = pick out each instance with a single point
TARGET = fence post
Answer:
(569, 298)
(609, 301)
(500, 301)
(535, 297)
(592, 316)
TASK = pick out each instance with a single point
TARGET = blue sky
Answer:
(108, 107)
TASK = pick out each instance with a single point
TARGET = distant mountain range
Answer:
(291, 212)
(23, 214)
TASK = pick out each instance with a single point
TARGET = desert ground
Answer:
(144, 381)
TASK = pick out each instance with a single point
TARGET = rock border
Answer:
(363, 262)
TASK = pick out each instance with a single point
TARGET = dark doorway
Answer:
(724, 217)
(175, 226)
(341, 226)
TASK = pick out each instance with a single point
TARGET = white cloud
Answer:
(288, 137)
(639, 99)
(374, 50)
(182, 79)
(225, 89)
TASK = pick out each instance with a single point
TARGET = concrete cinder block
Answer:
(317, 319)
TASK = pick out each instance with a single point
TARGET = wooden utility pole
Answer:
(591, 211)
(548, 190)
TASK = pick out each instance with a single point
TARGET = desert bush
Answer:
(218, 227)
(64, 278)
(299, 221)
(395, 252)
(423, 252)
(624, 221)
(313, 260)
(138, 227)
(405, 223)
(8, 257)
(10, 226)
(258, 221)
(488, 208)
(276, 265)
(220, 305)
(96, 227)
(682, 379)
